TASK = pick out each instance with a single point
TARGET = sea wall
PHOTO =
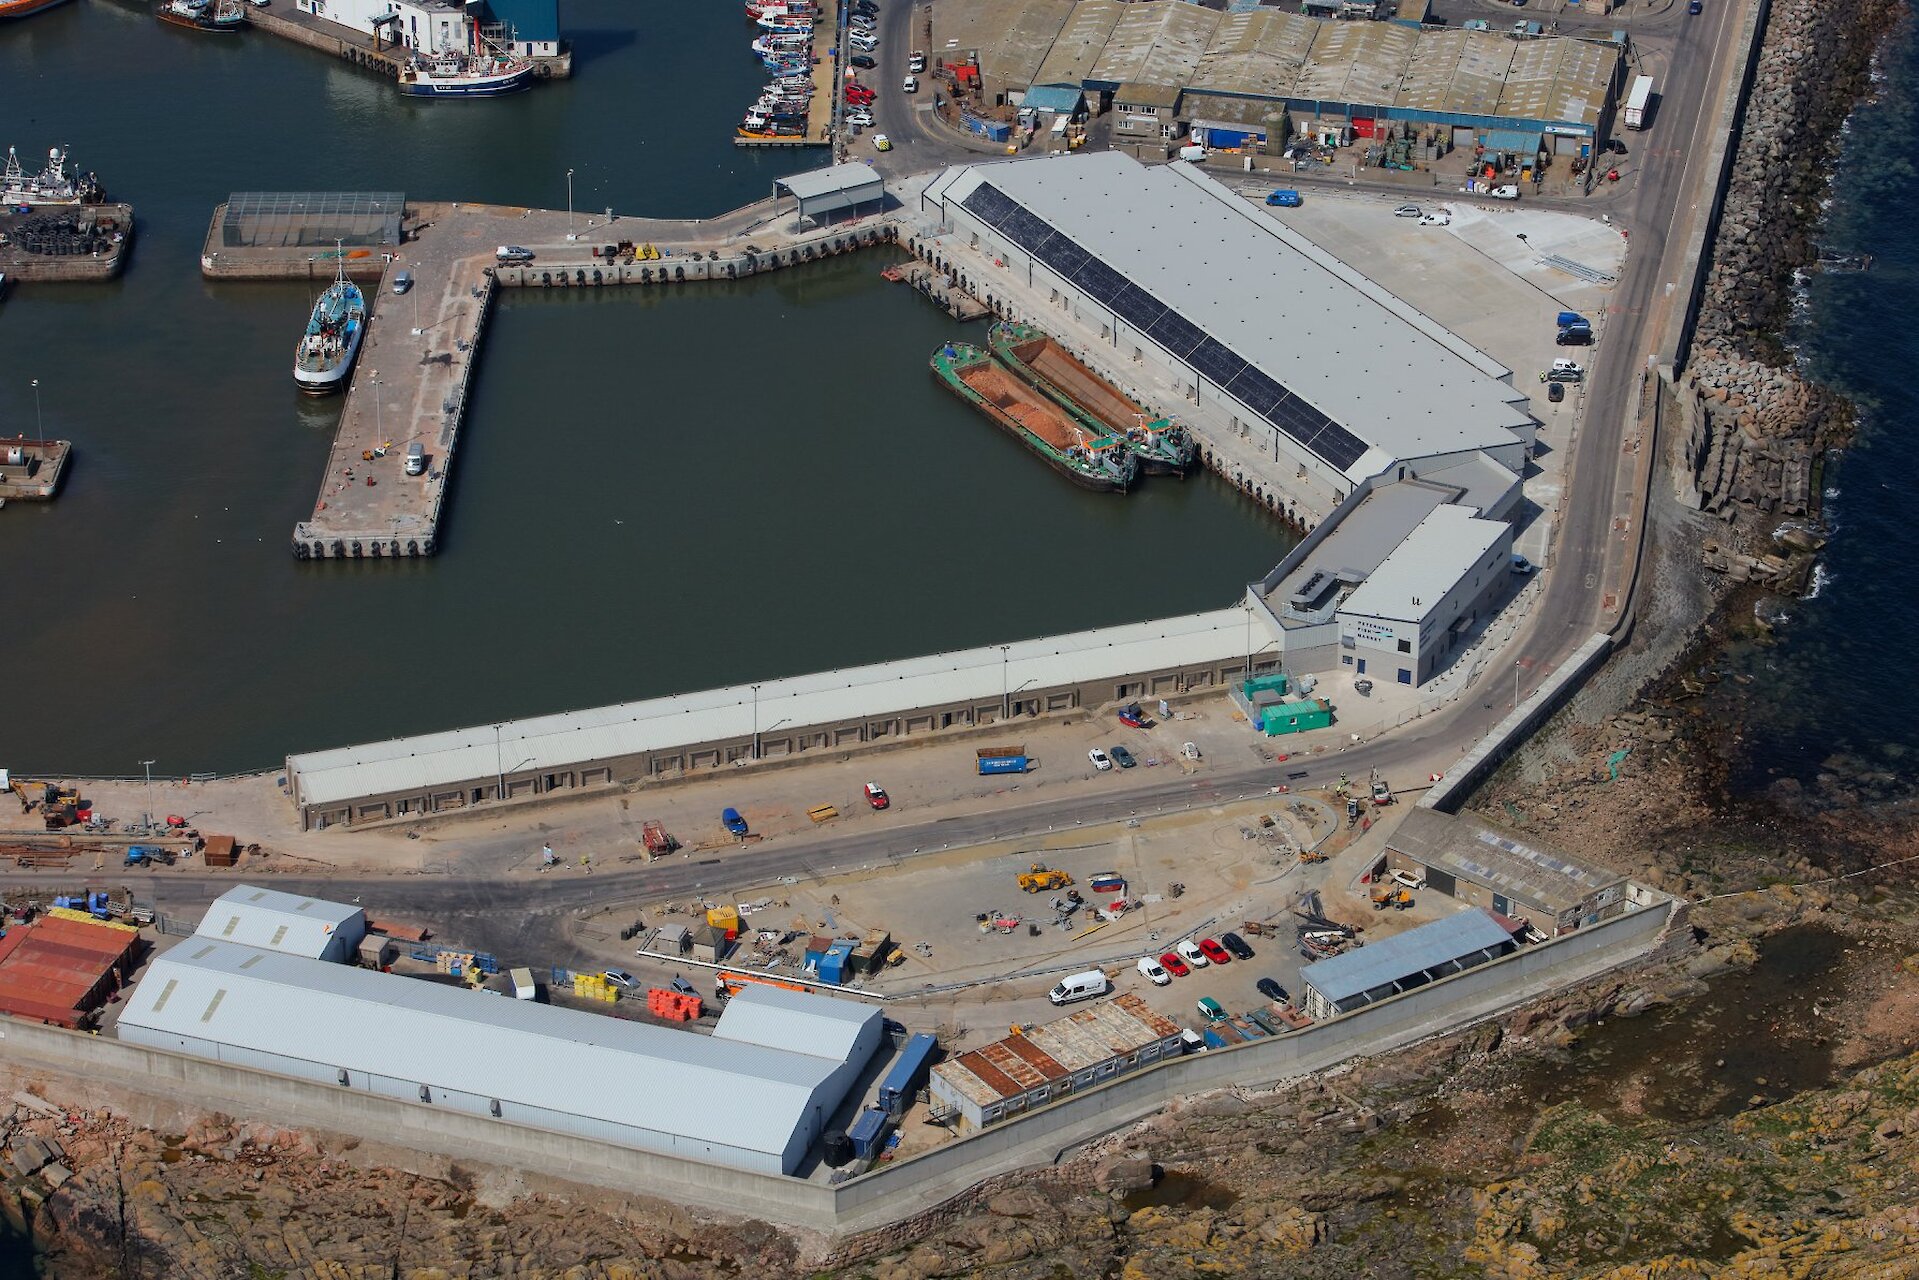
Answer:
(1751, 428)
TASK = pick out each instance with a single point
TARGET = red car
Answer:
(1214, 952)
(876, 795)
(1174, 965)
(860, 93)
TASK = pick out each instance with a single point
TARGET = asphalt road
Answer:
(523, 917)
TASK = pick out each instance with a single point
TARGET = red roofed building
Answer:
(58, 971)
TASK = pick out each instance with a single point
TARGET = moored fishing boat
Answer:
(218, 16)
(53, 185)
(1163, 446)
(477, 71)
(327, 349)
(22, 8)
(1075, 448)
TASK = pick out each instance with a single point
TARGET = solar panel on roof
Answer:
(1255, 390)
(1099, 281)
(1338, 446)
(1215, 362)
(1064, 255)
(987, 203)
(1138, 306)
(1177, 334)
(1023, 229)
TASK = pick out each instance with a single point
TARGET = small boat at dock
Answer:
(53, 185)
(477, 71)
(1071, 444)
(327, 349)
(222, 17)
(1162, 445)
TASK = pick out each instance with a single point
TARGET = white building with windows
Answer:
(1404, 621)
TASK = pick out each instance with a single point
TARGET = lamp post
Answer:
(379, 411)
(499, 767)
(39, 423)
(148, 766)
(1005, 703)
(756, 722)
(569, 204)
(1515, 686)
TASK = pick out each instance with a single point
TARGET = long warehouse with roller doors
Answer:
(1249, 318)
(756, 1094)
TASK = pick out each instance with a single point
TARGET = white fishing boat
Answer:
(327, 349)
(477, 71)
(52, 185)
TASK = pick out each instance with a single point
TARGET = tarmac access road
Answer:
(1583, 593)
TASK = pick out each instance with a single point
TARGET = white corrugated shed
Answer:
(780, 1019)
(724, 1101)
(714, 715)
(284, 922)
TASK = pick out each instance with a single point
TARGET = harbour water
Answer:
(1832, 694)
(654, 492)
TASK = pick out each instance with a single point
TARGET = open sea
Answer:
(1832, 694)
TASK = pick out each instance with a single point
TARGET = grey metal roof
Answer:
(1481, 853)
(278, 219)
(285, 922)
(824, 698)
(1365, 535)
(671, 1082)
(1011, 37)
(817, 1024)
(1382, 963)
(858, 182)
(1373, 364)
(1409, 584)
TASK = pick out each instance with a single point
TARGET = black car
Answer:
(1122, 757)
(1555, 392)
(863, 62)
(1237, 945)
(1272, 991)
(1617, 147)
(1574, 338)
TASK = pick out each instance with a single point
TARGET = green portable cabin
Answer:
(1295, 717)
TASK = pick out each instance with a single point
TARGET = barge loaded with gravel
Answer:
(1072, 443)
(1163, 446)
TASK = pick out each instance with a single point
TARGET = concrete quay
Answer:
(416, 361)
(91, 244)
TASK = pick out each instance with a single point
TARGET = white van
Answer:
(416, 459)
(1192, 155)
(1081, 986)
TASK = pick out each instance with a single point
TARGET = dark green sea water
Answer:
(654, 493)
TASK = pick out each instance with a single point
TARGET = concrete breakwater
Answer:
(1752, 428)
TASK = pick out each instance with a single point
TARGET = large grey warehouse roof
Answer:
(1501, 860)
(713, 715)
(779, 1019)
(287, 922)
(1210, 266)
(1380, 964)
(680, 1083)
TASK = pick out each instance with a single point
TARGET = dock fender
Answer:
(356, 550)
(646, 275)
(339, 549)
(579, 277)
(413, 546)
(679, 273)
(838, 244)
(426, 546)
(729, 270)
(375, 549)
(546, 277)
(596, 275)
(300, 551)
(395, 551)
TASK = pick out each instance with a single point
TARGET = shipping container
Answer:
(902, 1081)
(1002, 764)
(868, 1133)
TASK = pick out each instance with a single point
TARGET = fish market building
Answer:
(528, 28)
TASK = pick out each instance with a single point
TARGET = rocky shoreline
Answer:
(1754, 431)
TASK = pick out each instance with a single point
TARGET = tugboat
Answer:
(1163, 446)
(332, 338)
(1071, 444)
(220, 16)
(478, 71)
(52, 185)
